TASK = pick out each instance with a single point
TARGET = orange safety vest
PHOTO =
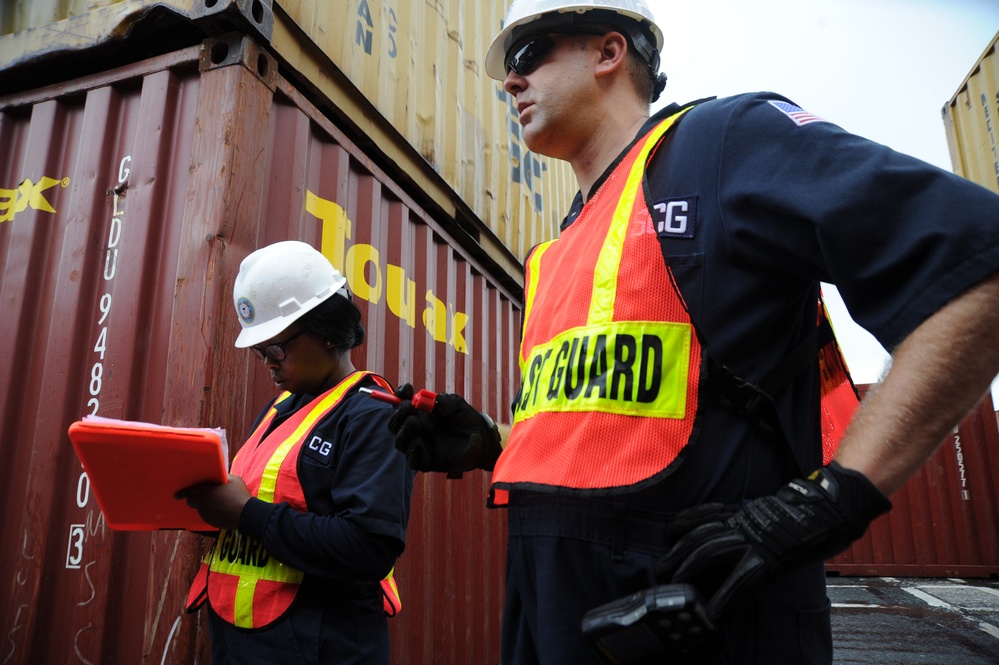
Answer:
(609, 360)
(243, 584)
(839, 400)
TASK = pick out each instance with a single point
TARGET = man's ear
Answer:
(613, 51)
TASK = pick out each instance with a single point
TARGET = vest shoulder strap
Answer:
(756, 401)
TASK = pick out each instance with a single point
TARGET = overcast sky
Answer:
(879, 68)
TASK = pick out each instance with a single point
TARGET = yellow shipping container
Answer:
(405, 78)
(971, 119)
(420, 64)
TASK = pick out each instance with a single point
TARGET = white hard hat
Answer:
(562, 13)
(277, 284)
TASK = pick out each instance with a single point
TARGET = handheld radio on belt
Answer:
(652, 623)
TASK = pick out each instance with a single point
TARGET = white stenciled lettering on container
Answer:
(962, 472)
(95, 380)
(365, 28)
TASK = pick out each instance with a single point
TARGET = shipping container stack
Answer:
(945, 519)
(150, 145)
(971, 120)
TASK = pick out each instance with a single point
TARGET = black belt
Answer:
(604, 520)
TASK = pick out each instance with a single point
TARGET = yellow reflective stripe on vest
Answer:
(248, 558)
(605, 273)
(262, 426)
(268, 480)
(534, 263)
(623, 367)
(244, 602)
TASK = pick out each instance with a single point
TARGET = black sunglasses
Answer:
(525, 55)
(276, 351)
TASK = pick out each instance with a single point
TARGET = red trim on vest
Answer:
(839, 401)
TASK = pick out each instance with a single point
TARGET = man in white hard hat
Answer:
(675, 354)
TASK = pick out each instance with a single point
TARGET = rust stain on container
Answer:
(129, 198)
(971, 119)
(945, 520)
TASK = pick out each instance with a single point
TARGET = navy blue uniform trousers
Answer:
(566, 556)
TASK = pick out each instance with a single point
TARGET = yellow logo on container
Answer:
(368, 277)
(28, 194)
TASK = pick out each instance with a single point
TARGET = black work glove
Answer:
(453, 437)
(729, 549)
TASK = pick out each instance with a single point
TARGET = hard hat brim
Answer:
(570, 13)
(259, 334)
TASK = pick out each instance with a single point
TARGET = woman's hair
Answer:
(336, 320)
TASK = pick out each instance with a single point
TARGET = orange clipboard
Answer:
(134, 469)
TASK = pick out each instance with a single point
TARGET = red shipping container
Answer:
(945, 519)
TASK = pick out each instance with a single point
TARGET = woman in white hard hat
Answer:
(314, 514)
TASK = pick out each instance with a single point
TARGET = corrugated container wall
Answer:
(945, 519)
(407, 77)
(129, 198)
(971, 119)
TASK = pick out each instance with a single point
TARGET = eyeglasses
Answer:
(276, 351)
(525, 55)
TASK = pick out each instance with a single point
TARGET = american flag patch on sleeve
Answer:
(798, 115)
